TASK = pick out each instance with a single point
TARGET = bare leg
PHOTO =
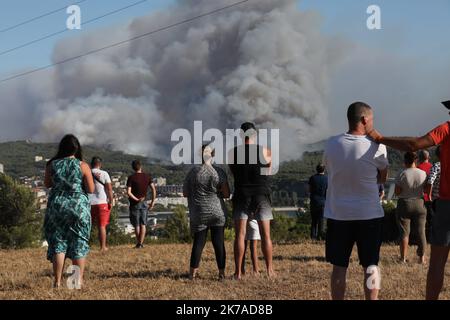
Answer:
(423, 260)
(240, 227)
(102, 238)
(404, 248)
(81, 263)
(254, 253)
(338, 282)
(142, 234)
(137, 232)
(370, 294)
(58, 267)
(266, 245)
(435, 279)
(243, 258)
(421, 249)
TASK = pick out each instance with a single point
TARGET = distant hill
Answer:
(19, 160)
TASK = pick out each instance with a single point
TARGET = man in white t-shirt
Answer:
(102, 200)
(355, 166)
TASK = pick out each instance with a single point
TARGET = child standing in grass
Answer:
(252, 236)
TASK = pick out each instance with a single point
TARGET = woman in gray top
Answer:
(205, 187)
(409, 187)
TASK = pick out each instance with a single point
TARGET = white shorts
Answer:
(252, 230)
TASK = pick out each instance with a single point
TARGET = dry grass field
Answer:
(160, 272)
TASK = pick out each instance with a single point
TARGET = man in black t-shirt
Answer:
(251, 165)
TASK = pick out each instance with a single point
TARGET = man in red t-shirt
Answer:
(137, 187)
(440, 235)
(424, 158)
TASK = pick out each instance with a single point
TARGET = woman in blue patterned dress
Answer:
(67, 224)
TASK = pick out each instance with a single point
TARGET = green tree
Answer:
(229, 222)
(177, 226)
(20, 224)
(281, 226)
(116, 235)
(159, 208)
(286, 229)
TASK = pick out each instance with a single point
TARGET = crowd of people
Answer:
(346, 191)
(81, 193)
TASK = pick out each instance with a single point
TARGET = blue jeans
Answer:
(139, 214)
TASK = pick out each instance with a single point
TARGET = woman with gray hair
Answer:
(206, 186)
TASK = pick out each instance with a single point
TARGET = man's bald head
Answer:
(358, 113)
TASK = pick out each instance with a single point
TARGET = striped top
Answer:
(435, 179)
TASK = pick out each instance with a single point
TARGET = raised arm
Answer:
(267, 153)
(406, 144)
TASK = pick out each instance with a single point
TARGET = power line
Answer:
(65, 29)
(123, 42)
(39, 17)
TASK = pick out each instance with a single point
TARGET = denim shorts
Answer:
(258, 207)
(139, 214)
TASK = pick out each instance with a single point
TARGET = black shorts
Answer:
(342, 235)
(440, 230)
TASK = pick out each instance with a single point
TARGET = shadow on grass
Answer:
(300, 258)
(168, 273)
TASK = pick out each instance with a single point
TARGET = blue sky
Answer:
(403, 70)
(40, 54)
(410, 27)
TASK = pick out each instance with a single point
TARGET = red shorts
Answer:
(100, 214)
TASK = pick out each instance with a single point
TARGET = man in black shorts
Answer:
(355, 166)
(251, 165)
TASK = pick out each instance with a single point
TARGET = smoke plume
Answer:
(264, 61)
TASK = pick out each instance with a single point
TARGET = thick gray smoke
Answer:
(264, 61)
